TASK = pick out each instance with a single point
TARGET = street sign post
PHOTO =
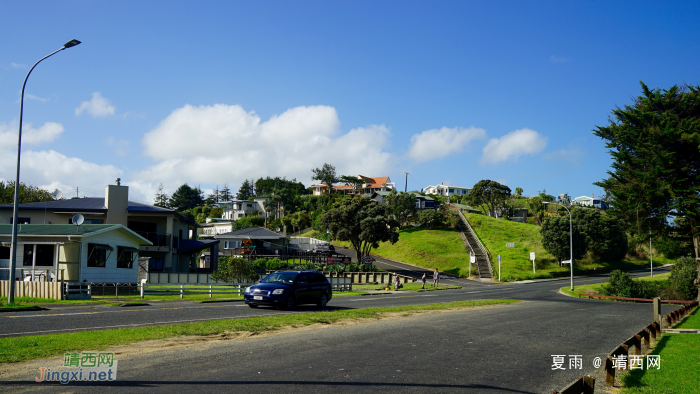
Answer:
(499, 267)
(472, 260)
(532, 257)
(566, 262)
(368, 260)
(330, 260)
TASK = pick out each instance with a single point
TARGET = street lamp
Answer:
(15, 213)
(571, 241)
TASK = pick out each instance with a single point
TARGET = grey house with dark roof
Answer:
(171, 249)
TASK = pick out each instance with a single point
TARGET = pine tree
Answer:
(161, 198)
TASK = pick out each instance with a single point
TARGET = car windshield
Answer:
(280, 277)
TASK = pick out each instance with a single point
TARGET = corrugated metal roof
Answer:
(54, 229)
(90, 204)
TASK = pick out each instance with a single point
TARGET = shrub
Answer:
(683, 273)
(234, 270)
(259, 264)
(335, 268)
(275, 264)
(619, 285)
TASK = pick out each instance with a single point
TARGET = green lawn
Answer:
(680, 363)
(515, 262)
(440, 248)
(17, 349)
(692, 321)
(595, 287)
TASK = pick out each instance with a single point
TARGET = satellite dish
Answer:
(57, 194)
(78, 219)
(278, 229)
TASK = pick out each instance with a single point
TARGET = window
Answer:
(155, 264)
(44, 255)
(232, 244)
(21, 220)
(4, 252)
(97, 255)
(126, 257)
(28, 258)
(250, 205)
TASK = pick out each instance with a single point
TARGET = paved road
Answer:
(80, 318)
(503, 349)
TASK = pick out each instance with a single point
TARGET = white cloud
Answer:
(37, 98)
(46, 133)
(97, 106)
(571, 156)
(559, 59)
(437, 143)
(17, 65)
(513, 145)
(225, 144)
(120, 147)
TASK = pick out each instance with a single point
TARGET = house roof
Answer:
(84, 230)
(465, 207)
(193, 246)
(253, 233)
(378, 181)
(89, 205)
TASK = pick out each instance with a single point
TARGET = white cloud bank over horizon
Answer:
(98, 106)
(437, 143)
(513, 145)
(222, 143)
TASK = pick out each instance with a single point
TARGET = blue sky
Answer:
(217, 92)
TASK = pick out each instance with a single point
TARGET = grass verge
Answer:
(39, 346)
(691, 321)
(594, 288)
(679, 368)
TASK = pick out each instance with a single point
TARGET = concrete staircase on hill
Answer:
(476, 248)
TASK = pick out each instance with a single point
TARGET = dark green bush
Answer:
(621, 285)
(259, 264)
(683, 273)
(275, 264)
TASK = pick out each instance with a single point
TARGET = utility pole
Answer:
(405, 188)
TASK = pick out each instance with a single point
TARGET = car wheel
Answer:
(252, 305)
(323, 301)
(289, 304)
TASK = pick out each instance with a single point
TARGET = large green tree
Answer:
(326, 175)
(161, 198)
(402, 206)
(246, 191)
(186, 197)
(361, 221)
(556, 240)
(655, 146)
(604, 237)
(489, 195)
(27, 193)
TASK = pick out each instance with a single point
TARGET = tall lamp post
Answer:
(15, 213)
(571, 241)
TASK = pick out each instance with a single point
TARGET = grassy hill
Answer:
(440, 248)
(516, 265)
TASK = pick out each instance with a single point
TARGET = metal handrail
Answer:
(478, 242)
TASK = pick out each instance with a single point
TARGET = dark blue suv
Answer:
(287, 288)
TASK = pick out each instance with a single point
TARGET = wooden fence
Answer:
(50, 290)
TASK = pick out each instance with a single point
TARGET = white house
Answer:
(97, 253)
(446, 191)
(370, 185)
(256, 240)
(586, 201)
(210, 230)
(236, 209)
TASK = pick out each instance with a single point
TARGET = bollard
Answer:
(209, 291)
(116, 290)
(657, 309)
(609, 372)
(141, 290)
(181, 289)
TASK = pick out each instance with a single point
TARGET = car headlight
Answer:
(247, 289)
(278, 291)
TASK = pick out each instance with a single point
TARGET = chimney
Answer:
(117, 203)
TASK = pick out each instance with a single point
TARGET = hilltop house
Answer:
(370, 185)
(170, 249)
(446, 191)
(236, 209)
(253, 240)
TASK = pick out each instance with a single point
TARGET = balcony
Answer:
(159, 240)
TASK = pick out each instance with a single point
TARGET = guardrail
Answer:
(634, 346)
(634, 299)
(169, 290)
(478, 242)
